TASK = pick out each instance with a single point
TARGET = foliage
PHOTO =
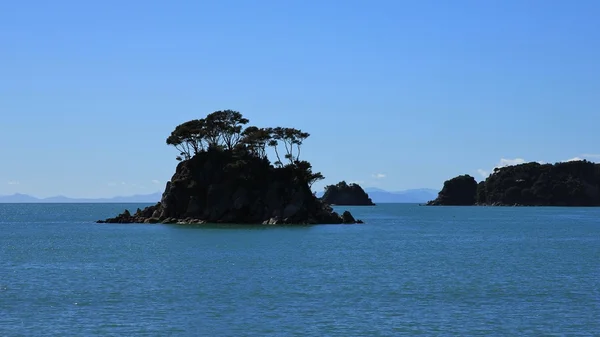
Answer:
(226, 130)
(188, 138)
(307, 174)
(575, 183)
(255, 140)
(481, 197)
(343, 193)
(458, 191)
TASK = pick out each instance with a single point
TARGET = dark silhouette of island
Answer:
(458, 191)
(574, 183)
(412, 196)
(225, 176)
(346, 194)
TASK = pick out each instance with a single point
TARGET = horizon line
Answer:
(160, 192)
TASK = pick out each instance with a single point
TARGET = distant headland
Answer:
(225, 176)
(19, 198)
(574, 183)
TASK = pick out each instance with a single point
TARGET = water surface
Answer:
(409, 270)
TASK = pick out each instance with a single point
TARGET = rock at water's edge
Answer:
(227, 187)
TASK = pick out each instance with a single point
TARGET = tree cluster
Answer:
(575, 183)
(227, 130)
(343, 193)
(458, 191)
(220, 129)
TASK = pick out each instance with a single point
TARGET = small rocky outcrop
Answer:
(458, 191)
(346, 194)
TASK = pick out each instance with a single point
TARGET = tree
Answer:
(299, 140)
(226, 126)
(308, 175)
(218, 129)
(224, 130)
(255, 140)
(275, 135)
(177, 141)
(289, 137)
(187, 138)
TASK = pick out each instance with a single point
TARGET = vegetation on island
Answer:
(225, 131)
(458, 191)
(225, 175)
(343, 193)
(574, 183)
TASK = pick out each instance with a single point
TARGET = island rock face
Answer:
(223, 187)
(458, 191)
(346, 194)
(575, 183)
(226, 181)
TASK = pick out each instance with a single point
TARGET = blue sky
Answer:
(395, 94)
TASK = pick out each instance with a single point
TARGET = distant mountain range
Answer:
(24, 198)
(378, 195)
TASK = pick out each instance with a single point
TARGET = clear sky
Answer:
(396, 94)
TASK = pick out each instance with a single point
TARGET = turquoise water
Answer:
(409, 270)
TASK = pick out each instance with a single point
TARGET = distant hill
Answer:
(24, 198)
(572, 183)
(377, 195)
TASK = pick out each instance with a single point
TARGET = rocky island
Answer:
(346, 194)
(574, 183)
(225, 176)
(458, 191)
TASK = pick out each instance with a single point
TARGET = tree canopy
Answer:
(228, 130)
(343, 193)
(458, 191)
(575, 183)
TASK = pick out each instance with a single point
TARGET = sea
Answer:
(409, 270)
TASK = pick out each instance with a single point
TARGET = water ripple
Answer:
(409, 270)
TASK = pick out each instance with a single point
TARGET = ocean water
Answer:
(409, 270)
